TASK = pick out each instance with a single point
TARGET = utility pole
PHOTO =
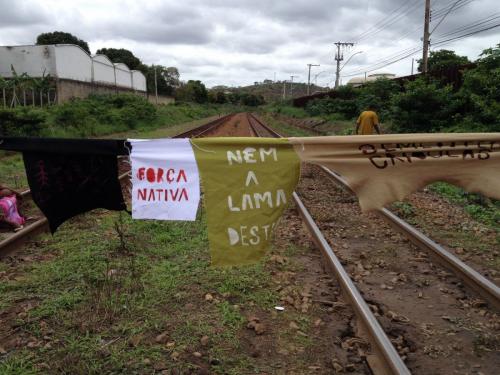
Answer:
(284, 89)
(426, 35)
(156, 85)
(339, 56)
(309, 78)
(412, 61)
(291, 85)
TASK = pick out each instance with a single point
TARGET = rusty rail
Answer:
(387, 359)
(471, 278)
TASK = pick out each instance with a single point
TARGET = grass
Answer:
(334, 124)
(93, 291)
(283, 128)
(12, 172)
(482, 209)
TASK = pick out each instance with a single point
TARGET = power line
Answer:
(468, 34)
(442, 18)
(390, 57)
(393, 17)
(359, 36)
(445, 9)
(403, 55)
(472, 25)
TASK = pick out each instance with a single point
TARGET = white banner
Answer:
(165, 179)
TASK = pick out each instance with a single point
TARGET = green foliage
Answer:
(443, 60)
(344, 103)
(192, 91)
(480, 92)
(286, 109)
(22, 121)
(167, 79)
(378, 94)
(60, 37)
(100, 114)
(423, 107)
(20, 365)
(238, 98)
(480, 208)
(218, 97)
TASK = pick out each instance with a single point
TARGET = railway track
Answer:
(386, 360)
(391, 362)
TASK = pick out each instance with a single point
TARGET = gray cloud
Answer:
(17, 14)
(242, 41)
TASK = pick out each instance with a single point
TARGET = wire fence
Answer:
(28, 97)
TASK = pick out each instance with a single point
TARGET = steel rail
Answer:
(12, 242)
(473, 279)
(388, 360)
(205, 128)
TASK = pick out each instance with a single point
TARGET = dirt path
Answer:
(438, 326)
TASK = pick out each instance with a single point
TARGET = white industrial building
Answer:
(74, 71)
(359, 81)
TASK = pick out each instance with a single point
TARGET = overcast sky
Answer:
(237, 42)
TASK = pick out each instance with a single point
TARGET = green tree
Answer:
(60, 37)
(423, 107)
(442, 60)
(192, 91)
(378, 94)
(251, 100)
(167, 79)
(121, 55)
(480, 92)
(218, 97)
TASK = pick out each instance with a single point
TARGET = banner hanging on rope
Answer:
(248, 182)
(70, 177)
(382, 169)
(165, 180)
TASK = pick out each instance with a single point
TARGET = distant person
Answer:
(9, 212)
(367, 122)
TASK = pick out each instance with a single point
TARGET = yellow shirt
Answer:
(367, 121)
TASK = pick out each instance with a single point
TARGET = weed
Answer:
(480, 208)
(405, 210)
(18, 365)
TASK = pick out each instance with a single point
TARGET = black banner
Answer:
(67, 184)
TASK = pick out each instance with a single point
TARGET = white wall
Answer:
(138, 80)
(104, 70)
(33, 60)
(68, 61)
(72, 62)
(123, 75)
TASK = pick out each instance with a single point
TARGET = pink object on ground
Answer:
(8, 209)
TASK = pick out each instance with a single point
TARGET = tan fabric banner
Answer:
(384, 168)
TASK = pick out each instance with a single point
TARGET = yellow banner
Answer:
(247, 183)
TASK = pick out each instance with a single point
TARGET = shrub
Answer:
(22, 121)
(423, 107)
(378, 94)
(100, 114)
